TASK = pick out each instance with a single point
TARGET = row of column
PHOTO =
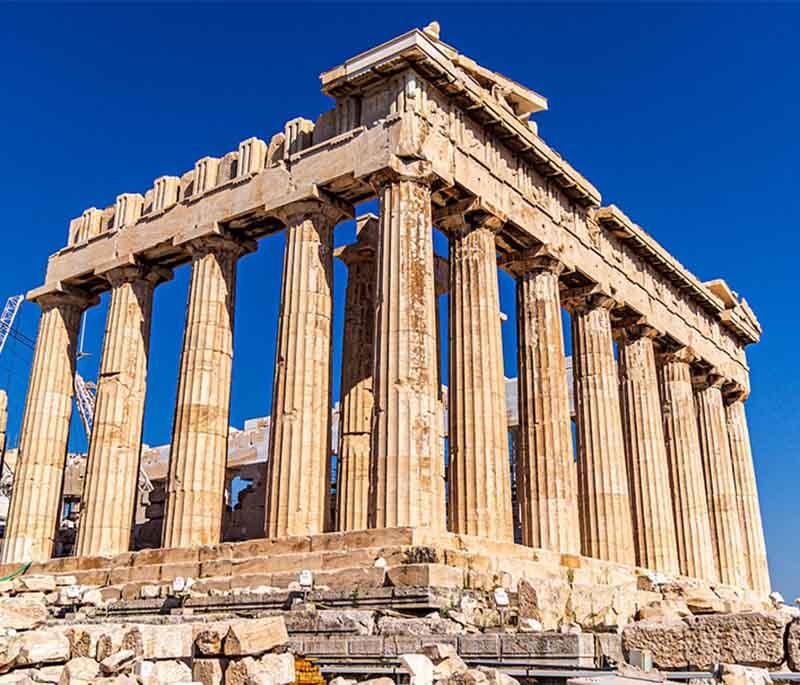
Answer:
(664, 474)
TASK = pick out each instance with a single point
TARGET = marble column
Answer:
(300, 441)
(547, 481)
(36, 497)
(407, 467)
(480, 479)
(196, 480)
(723, 508)
(603, 496)
(646, 452)
(692, 524)
(112, 467)
(355, 418)
(744, 478)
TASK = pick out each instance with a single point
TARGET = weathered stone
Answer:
(389, 625)
(118, 661)
(419, 667)
(254, 637)
(47, 674)
(169, 671)
(208, 639)
(732, 674)
(164, 642)
(43, 647)
(749, 639)
(793, 645)
(34, 583)
(666, 641)
(544, 601)
(208, 671)
(21, 614)
(279, 667)
(79, 670)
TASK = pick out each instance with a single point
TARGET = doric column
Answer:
(200, 430)
(299, 455)
(36, 495)
(692, 525)
(547, 482)
(744, 478)
(355, 418)
(720, 486)
(112, 468)
(480, 480)
(604, 501)
(646, 452)
(407, 468)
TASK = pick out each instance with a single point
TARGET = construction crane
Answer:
(7, 318)
(84, 397)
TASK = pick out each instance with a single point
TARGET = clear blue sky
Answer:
(683, 115)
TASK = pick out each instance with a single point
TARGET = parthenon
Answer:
(660, 475)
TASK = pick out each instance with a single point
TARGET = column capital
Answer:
(66, 296)
(220, 243)
(464, 216)
(634, 328)
(131, 270)
(733, 392)
(534, 260)
(416, 171)
(365, 247)
(710, 378)
(581, 300)
(321, 204)
(684, 355)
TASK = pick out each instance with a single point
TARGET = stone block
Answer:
(171, 671)
(220, 552)
(21, 614)
(358, 539)
(550, 649)
(426, 575)
(160, 557)
(479, 645)
(130, 574)
(608, 649)
(183, 570)
(34, 583)
(665, 640)
(255, 636)
(167, 641)
(216, 568)
(42, 647)
(254, 580)
(365, 646)
(394, 645)
(793, 645)
(326, 646)
(353, 621)
(748, 639)
(352, 578)
(208, 671)
(79, 670)
(270, 547)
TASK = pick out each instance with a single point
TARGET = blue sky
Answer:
(683, 115)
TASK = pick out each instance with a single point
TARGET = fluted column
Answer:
(480, 480)
(195, 486)
(646, 452)
(547, 481)
(36, 495)
(112, 468)
(692, 524)
(744, 478)
(604, 501)
(299, 462)
(404, 490)
(720, 486)
(355, 419)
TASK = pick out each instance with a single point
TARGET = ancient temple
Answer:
(663, 478)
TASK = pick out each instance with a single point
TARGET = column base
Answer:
(559, 589)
